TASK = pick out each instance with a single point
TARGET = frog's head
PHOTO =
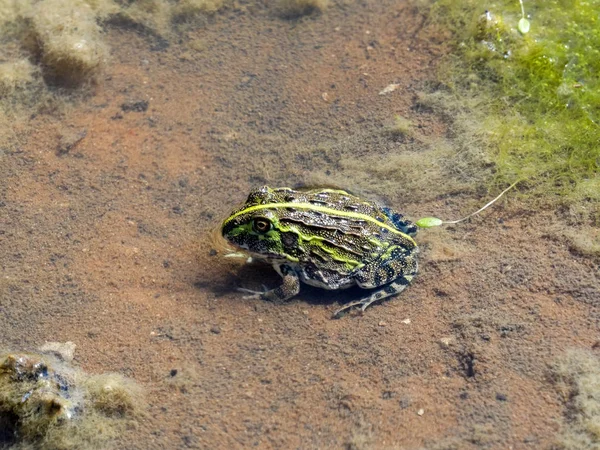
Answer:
(255, 226)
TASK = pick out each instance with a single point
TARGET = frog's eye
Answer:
(261, 225)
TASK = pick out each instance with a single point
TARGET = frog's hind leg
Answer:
(389, 278)
(395, 287)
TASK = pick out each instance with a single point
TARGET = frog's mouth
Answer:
(251, 257)
(242, 251)
(269, 257)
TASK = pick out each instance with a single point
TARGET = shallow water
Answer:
(109, 245)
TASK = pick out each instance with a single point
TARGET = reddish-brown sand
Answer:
(106, 241)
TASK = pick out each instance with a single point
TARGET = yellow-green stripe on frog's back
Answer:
(333, 250)
(325, 210)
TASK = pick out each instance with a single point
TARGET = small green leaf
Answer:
(428, 222)
(523, 26)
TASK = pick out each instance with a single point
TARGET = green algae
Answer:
(539, 91)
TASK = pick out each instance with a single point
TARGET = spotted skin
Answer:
(288, 288)
(326, 238)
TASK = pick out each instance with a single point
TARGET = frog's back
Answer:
(350, 207)
(335, 221)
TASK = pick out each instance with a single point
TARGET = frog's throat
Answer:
(323, 209)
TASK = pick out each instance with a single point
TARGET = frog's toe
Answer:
(346, 308)
(252, 294)
(363, 304)
(391, 289)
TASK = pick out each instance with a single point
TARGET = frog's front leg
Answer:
(288, 288)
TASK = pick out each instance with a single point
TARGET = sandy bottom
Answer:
(106, 226)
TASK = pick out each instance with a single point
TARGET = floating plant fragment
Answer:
(523, 25)
(429, 222)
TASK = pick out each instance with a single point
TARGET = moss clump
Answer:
(11, 12)
(47, 403)
(297, 8)
(584, 240)
(17, 76)
(401, 127)
(113, 395)
(70, 40)
(576, 376)
(63, 35)
(33, 396)
(540, 91)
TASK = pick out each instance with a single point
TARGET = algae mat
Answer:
(109, 204)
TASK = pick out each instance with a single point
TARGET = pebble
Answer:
(405, 402)
(445, 341)
(389, 88)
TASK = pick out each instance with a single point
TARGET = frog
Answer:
(325, 237)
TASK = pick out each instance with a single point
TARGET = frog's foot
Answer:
(393, 288)
(289, 287)
(341, 312)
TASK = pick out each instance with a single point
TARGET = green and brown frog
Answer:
(327, 238)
